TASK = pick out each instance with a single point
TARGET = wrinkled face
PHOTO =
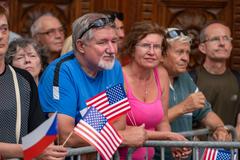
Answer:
(51, 34)
(217, 46)
(99, 52)
(119, 30)
(4, 33)
(28, 59)
(148, 51)
(177, 58)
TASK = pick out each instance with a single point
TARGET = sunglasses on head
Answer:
(98, 23)
(176, 33)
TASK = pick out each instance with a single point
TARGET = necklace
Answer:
(145, 92)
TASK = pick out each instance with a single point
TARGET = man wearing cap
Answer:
(186, 103)
(81, 74)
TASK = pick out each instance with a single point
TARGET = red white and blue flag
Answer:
(111, 102)
(95, 129)
(217, 154)
(35, 142)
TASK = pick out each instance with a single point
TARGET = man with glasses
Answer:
(81, 74)
(215, 79)
(49, 32)
(186, 103)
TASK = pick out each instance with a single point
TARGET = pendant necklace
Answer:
(145, 92)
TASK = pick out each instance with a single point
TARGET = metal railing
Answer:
(196, 145)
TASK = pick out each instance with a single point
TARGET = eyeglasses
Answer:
(101, 22)
(176, 33)
(149, 46)
(53, 32)
(217, 39)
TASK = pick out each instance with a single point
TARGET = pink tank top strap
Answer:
(158, 81)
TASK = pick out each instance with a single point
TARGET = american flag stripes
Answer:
(111, 103)
(95, 129)
(217, 154)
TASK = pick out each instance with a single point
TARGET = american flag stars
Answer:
(96, 130)
(94, 126)
(95, 119)
(111, 102)
(115, 94)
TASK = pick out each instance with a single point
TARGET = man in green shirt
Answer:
(214, 78)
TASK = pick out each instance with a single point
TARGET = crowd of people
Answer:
(44, 74)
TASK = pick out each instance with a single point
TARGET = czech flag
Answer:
(35, 142)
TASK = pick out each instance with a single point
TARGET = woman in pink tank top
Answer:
(147, 86)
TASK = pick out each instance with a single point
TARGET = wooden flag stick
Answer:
(58, 141)
(67, 138)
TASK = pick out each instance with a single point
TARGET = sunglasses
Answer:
(176, 33)
(98, 23)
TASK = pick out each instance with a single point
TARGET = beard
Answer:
(106, 64)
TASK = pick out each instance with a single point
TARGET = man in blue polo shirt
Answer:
(81, 74)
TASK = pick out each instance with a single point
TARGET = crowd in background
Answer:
(48, 73)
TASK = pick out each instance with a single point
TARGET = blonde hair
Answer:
(67, 46)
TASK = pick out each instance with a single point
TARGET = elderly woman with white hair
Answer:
(186, 103)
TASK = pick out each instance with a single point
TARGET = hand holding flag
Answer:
(35, 142)
(95, 129)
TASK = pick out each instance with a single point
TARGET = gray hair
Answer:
(203, 36)
(23, 43)
(81, 24)
(37, 25)
(182, 38)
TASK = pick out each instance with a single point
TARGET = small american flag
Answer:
(111, 102)
(217, 154)
(96, 130)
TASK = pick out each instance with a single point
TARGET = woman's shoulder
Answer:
(162, 72)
